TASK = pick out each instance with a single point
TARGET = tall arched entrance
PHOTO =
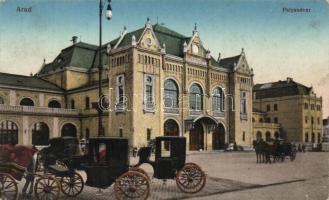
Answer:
(40, 134)
(8, 132)
(69, 130)
(218, 137)
(197, 136)
(171, 128)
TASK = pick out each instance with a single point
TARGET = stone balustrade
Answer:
(37, 110)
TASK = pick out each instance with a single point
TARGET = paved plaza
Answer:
(233, 176)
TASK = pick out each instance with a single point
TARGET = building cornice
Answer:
(31, 89)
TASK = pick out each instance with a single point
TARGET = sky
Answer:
(277, 44)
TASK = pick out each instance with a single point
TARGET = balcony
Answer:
(38, 110)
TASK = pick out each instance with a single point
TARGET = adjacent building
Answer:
(157, 82)
(292, 108)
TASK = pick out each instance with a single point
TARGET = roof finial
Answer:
(218, 59)
(242, 51)
(124, 28)
(44, 60)
(148, 22)
(108, 50)
(133, 40)
(163, 49)
(185, 47)
(195, 30)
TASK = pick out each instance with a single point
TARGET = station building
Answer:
(157, 82)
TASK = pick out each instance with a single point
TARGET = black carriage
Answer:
(105, 163)
(284, 150)
(170, 163)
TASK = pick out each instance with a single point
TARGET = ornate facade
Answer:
(158, 82)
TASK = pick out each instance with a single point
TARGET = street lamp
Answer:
(100, 64)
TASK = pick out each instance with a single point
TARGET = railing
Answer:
(266, 125)
(38, 110)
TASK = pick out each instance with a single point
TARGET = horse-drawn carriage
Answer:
(106, 163)
(18, 162)
(276, 150)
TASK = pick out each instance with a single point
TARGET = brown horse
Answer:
(259, 149)
(270, 150)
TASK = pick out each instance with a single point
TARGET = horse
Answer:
(259, 149)
(270, 150)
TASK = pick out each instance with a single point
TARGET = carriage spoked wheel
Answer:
(140, 170)
(132, 185)
(190, 179)
(47, 188)
(73, 185)
(8, 187)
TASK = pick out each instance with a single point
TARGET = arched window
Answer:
(261, 120)
(87, 103)
(2, 101)
(259, 135)
(8, 132)
(26, 102)
(87, 133)
(268, 136)
(171, 94)
(196, 98)
(54, 104)
(69, 130)
(218, 99)
(171, 128)
(40, 134)
(276, 135)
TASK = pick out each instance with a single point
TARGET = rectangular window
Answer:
(148, 134)
(306, 137)
(276, 120)
(268, 120)
(306, 106)
(244, 136)
(306, 119)
(120, 104)
(275, 107)
(268, 107)
(243, 101)
(149, 104)
(120, 132)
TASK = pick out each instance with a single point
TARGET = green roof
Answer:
(26, 82)
(229, 62)
(86, 56)
(280, 89)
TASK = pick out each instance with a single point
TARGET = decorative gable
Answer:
(242, 65)
(148, 40)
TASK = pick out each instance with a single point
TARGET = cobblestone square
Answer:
(237, 176)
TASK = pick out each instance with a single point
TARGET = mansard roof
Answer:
(229, 62)
(280, 89)
(33, 82)
(81, 55)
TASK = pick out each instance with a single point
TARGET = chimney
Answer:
(74, 39)
(289, 79)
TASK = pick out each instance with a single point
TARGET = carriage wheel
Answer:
(8, 187)
(46, 188)
(140, 170)
(292, 155)
(72, 186)
(190, 179)
(132, 185)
